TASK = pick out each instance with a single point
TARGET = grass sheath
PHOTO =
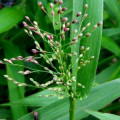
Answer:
(72, 108)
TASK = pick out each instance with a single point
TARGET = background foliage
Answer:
(17, 102)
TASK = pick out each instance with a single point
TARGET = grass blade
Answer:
(15, 92)
(7, 15)
(100, 96)
(87, 74)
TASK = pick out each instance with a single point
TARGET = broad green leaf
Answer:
(9, 17)
(35, 100)
(99, 97)
(4, 114)
(102, 116)
(86, 75)
(110, 45)
(108, 74)
(15, 92)
(113, 7)
(111, 32)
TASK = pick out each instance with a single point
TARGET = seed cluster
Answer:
(62, 75)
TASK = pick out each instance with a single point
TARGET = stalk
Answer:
(72, 108)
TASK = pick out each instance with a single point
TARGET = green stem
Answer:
(72, 108)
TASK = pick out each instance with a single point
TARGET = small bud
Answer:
(53, 13)
(64, 9)
(35, 23)
(48, 36)
(85, 15)
(99, 23)
(9, 61)
(81, 55)
(1, 62)
(27, 18)
(75, 31)
(88, 24)
(51, 5)
(32, 28)
(82, 48)
(88, 34)
(13, 59)
(43, 9)
(63, 26)
(78, 14)
(25, 24)
(30, 33)
(88, 48)
(79, 84)
(65, 19)
(75, 21)
(27, 72)
(19, 58)
(86, 6)
(80, 35)
(56, 23)
(40, 4)
(60, 2)
(35, 115)
(68, 24)
(66, 29)
(37, 32)
(55, 1)
(34, 51)
(95, 26)
(26, 31)
(83, 29)
(92, 57)
(59, 11)
(6, 76)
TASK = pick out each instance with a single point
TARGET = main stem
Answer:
(72, 108)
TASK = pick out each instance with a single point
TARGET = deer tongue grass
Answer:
(70, 56)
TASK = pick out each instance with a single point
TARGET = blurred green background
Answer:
(14, 42)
